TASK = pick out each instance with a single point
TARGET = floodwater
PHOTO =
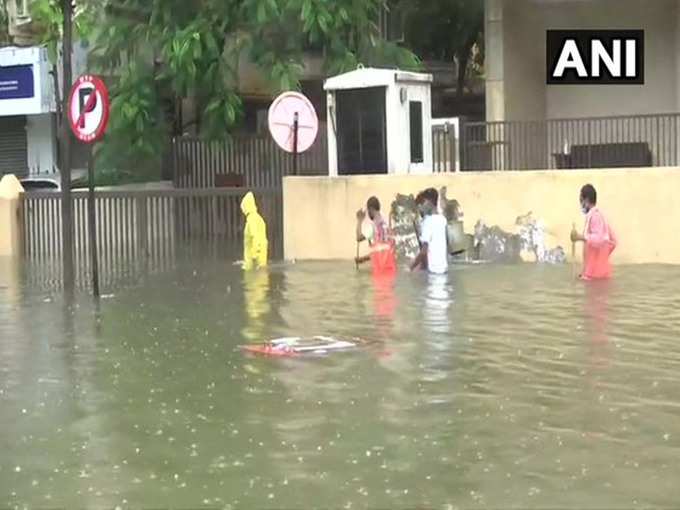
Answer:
(494, 387)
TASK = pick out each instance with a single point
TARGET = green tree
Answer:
(4, 21)
(447, 30)
(158, 53)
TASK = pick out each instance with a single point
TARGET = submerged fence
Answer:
(144, 230)
(597, 142)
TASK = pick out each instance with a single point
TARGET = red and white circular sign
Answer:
(282, 121)
(88, 108)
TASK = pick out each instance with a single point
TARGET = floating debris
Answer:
(299, 346)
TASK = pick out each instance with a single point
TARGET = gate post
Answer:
(10, 216)
(462, 142)
(142, 228)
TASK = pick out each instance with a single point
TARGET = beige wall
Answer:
(516, 88)
(319, 212)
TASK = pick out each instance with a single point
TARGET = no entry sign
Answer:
(88, 109)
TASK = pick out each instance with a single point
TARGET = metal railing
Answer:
(444, 149)
(248, 161)
(141, 231)
(596, 142)
(256, 161)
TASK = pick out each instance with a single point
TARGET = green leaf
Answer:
(52, 52)
(210, 42)
(132, 110)
(184, 50)
(231, 113)
(213, 105)
(261, 12)
(309, 24)
(306, 10)
(323, 24)
(285, 82)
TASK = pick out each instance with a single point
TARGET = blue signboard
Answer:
(16, 82)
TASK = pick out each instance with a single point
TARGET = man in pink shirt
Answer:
(598, 238)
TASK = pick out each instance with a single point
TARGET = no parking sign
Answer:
(88, 108)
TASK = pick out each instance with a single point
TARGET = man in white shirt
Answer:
(433, 254)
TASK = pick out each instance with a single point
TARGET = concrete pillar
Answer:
(494, 65)
(677, 55)
(332, 134)
(10, 216)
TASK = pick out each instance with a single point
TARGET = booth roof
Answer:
(370, 77)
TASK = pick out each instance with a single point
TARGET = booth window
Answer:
(416, 120)
(361, 131)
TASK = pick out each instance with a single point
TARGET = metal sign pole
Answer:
(92, 221)
(296, 127)
(66, 202)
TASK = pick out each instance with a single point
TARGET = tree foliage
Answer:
(48, 20)
(4, 23)
(446, 30)
(158, 53)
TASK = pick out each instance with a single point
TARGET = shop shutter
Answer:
(13, 146)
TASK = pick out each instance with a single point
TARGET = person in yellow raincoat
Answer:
(255, 244)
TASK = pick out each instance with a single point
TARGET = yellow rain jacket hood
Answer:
(255, 244)
(248, 204)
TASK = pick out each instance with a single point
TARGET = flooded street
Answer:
(494, 387)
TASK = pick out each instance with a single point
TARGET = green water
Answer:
(497, 387)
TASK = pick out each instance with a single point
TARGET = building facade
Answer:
(515, 34)
(27, 118)
(28, 98)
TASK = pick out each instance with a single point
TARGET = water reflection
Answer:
(438, 342)
(385, 304)
(596, 315)
(257, 304)
(438, 300)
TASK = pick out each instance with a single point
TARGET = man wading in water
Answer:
(383, 255)
(598, 238)
(433, 255)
